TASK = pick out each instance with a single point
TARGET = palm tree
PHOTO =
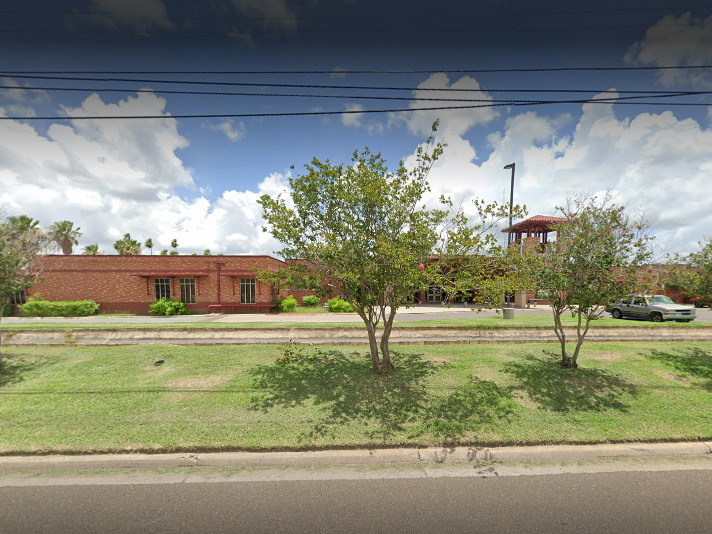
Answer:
(127, 246)
(91, 250)
(21, 223)
(174, 246)
(149, 245)
(65, 235)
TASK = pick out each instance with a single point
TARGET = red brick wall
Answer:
(126, 283)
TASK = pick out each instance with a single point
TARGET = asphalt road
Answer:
(627, 502)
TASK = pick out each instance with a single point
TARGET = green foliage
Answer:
(692, 273)
(287, 305)
(310, 301)
(164, 252)
(336, 305)
(127, 246)
(361, 228)
(91, 250)
(166, 306)
(594, 260)
(37, 307)
(64, 235)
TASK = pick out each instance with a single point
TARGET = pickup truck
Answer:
(656, 308)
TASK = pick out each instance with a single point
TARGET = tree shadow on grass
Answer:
(14, 368)
(467, 409)
(688, 362)
(347, 391)
(345, 388)
(560, 389)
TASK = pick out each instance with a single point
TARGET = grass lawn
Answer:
(519, 321)
(88, 399)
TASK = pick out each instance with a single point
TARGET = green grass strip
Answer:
(168, 398)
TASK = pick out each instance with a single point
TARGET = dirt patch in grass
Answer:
(198, 382)
(672, 377)
(605, 357)
(525, 400)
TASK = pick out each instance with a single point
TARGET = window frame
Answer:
(248, 291)
(188, 289)
(159, 286)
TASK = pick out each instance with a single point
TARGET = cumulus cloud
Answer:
(655, 163)
(111, 177)
(141, 16)
(674, 42)
(275, 15)
(232, 131)
(354, 120)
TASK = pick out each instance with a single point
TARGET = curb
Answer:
(456, 455)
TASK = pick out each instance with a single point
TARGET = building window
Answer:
(163, 288)
(434, 294)
(18, 298)
(187, 290)
(247, 290)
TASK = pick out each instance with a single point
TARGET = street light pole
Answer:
(511, 203)
(509, 234)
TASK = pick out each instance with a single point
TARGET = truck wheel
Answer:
(656, 317)
(616, 313)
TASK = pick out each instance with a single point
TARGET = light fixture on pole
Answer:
(511, 203)
(508, 297)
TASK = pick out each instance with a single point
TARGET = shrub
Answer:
(166, 306)
(36, 307)
(287, 305)
(7, 312)
(311, 301)
(336, 305)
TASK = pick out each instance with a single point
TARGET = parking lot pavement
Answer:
(417, 313)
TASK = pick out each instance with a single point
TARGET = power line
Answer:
(344, 112)
(540, 13)
(251, 84)
(641, 94)
(392, 31)
(18, 73)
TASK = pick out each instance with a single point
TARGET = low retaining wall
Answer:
(338, 336)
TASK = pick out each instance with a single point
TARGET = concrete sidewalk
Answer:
(432, 455)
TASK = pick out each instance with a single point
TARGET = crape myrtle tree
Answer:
(359, 230)
(594, 260)
(20, 261)
(469, 262)
(692, 273)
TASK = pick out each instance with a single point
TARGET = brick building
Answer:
(130, 284)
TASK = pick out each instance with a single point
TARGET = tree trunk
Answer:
(372, 343)
(386, 362)
(580, 338)
(559, 330)
(2, 313)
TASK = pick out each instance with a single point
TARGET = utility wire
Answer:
(359, 31)
(344, 112)
(255, 84)
(639, 94)
(333, 71)
(359, 17)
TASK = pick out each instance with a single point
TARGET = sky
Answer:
(581, 97)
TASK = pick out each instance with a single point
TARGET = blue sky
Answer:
(197, 179)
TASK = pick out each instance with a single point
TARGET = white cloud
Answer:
(453, 122)
(655, 163)
(354, 120)
(141, 16)
(673, 42)
(232, 132)
(111, 177)
(275, 15)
